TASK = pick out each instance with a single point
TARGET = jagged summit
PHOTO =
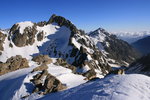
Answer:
(58, 38)
(62, 21)
(113, 47)
(99, 31)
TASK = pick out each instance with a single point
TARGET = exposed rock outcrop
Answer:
(91, 74)
(116, 49)
(2, 39)
(140, 66)
(42, 23)
(52, 84)
(40, 36)
(12, 64)
(25, 38)
(38, 81)
(48, 85)
(61, 21)
(42, 59)
(63, 62)
(117, 71)
(40, 68)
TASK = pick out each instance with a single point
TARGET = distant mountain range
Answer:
(131, 37)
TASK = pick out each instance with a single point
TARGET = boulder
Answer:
(38, 81)
(40, 59)
(49, 84)
(89, 74)
(17, 62)
(40, 68)
(52, 84)
(13, 63)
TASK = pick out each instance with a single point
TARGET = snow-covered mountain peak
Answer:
(56, 56)
(110, 45)
(23, 25)
(99, 32)
(61, 21)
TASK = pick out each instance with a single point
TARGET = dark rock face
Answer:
(40, 36)
(61, 21)
(20, 40)
(2, 39)
(42, 59)
(41, 23)
(142, 45)
(141, 66)
(118, 50)
(117, 72)
(121, 50)
(80, 55)
(12, 64)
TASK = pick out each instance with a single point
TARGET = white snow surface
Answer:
(52, 32)
(117, 87)
(98, 39)
(23, 25)
(15, 85)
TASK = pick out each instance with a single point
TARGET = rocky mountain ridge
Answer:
(56, 49)
(61, 39)
(142, 45)
(140, 66)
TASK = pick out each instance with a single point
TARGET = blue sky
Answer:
(113, 15)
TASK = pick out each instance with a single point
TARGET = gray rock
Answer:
(13, 63)
(42, 59)
(52, 84)
(40, 68)
(90, 74)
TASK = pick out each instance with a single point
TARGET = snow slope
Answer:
(112, 87)
(11, 82)
(23, 25)
(118, 87)
(21, 86)
(52, 32)
(59, 42)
